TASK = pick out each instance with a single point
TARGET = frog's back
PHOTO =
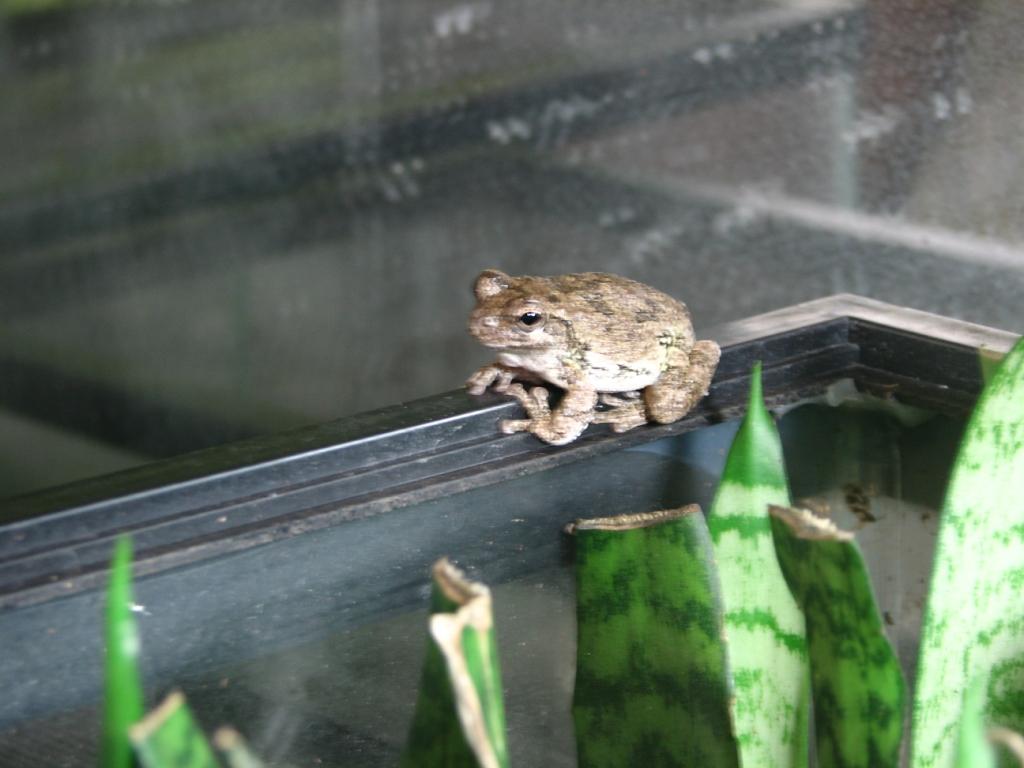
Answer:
(622, 331)
(612, 298)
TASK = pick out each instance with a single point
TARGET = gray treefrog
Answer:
(601, 338)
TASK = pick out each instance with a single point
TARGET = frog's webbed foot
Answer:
(559, 426)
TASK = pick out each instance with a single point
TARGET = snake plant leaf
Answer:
(435, 737)
(857, 684)
(122, 697)
(168, 737)
(973, 749)
(233, 747)
(974, 619)
(652, 686)
(976, 744)
(763, 623)
(460, 714)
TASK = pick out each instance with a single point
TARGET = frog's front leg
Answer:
(496, 376)
(558, 427)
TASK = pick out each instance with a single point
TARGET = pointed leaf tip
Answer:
(122, 704)
(122, 549)
(755, 457)
(767, 648)
(756, 385)
(755, 400)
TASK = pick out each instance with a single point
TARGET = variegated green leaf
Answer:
(973, 749)
(763, 624)
(122, 697)
(652, 687)
(460, 717)
(857, 685)
(974, 620)
(169, 738)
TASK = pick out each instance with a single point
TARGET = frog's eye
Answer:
(531, 320)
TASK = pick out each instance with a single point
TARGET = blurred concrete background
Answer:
(221, 219)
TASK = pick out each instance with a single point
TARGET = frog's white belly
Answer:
(597, 370)
(606, 375)
(546, 364)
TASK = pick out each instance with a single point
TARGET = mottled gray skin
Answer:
(601, 338)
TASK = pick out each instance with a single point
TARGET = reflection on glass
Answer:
(224, 219)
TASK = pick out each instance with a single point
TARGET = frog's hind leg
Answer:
(559, 426)
(682, 384)
(623, 413)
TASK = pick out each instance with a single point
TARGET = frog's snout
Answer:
(485, 326)
(481, 319)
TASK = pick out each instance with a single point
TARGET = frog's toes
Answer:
(511, 426)
(518, 391)
(549, 429)
(534, 402)
(502, 384)
(558, 431)
(539, 396)
(479, 381)
(626, 424)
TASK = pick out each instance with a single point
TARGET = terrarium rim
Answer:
(201, 505)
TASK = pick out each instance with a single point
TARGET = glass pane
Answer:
(224, 219)
(312, 645)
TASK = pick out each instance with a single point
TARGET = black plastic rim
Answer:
(246, 494)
